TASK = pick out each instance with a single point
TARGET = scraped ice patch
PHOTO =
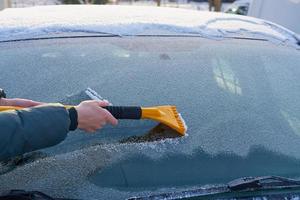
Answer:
(184, 124)
(32, 22)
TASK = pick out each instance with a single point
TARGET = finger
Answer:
(36, 103)
(110, 104)
(23, 102)
(103, 103)
(98, 125)
(110, 118)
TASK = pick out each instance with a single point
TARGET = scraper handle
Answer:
(125, 112)
(119, 112)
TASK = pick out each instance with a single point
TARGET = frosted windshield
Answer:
(239, 98)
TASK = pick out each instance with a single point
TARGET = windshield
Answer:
(240, 100)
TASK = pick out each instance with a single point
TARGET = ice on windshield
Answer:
(239, 98)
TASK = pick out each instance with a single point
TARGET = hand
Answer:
(91, 115)
(25, 103)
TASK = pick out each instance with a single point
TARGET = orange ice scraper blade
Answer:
(167, 115)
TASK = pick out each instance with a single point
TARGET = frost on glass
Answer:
(240, 100)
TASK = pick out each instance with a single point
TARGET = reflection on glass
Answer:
(293, 122)
(225, 77)
(50, 55)
(122, 53)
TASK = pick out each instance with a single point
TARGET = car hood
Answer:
(24, 23)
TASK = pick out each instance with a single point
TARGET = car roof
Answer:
(20, 23)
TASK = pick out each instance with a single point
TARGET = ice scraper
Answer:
(167, 115)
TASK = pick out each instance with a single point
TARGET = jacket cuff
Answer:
(73, 115)
(2, 93)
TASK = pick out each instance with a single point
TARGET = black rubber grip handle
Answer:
(125, 112)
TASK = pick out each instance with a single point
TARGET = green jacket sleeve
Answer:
(31, 129)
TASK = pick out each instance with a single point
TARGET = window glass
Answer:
(240, 100)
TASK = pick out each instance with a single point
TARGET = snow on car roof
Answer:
(20, 23)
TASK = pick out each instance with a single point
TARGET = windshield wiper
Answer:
(235, 187)
(262, 182)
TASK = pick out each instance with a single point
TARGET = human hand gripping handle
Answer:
(91, 115)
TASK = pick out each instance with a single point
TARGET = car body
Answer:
(240, 7)
(234, 79)
(265, 9)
